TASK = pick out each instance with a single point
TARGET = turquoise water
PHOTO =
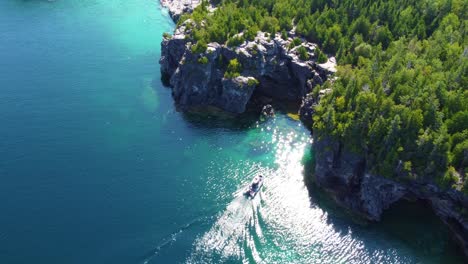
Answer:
(97, 166)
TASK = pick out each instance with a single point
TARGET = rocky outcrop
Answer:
(268, 67)
(268, 111)
(177, 7)
(172, 51)
(236, 93)
(198, 79)
(342, 173)
(306, 110)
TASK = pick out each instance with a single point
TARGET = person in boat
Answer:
(255, 182)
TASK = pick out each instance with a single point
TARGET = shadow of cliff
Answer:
(212, 117)
(208, 118)
(415, 224)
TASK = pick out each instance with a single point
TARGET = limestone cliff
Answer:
(342, 173)
(268, 67)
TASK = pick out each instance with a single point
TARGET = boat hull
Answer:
(249, 193)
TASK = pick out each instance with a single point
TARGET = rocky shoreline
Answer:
(342, 173)
(272, 69)
(268, 67)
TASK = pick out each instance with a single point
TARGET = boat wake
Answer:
(225, 240)
(238, 235)
(170, 239)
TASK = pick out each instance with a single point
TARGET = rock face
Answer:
(236, 93)
(342, 174)
(306, 110)
(173, 49)
(268, 67)
(451, 207)
(177, 7)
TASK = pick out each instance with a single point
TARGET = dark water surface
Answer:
(98, 167)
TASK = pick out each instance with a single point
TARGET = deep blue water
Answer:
(97, 166)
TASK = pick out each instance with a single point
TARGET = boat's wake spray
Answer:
(169, 240)
(229, 233)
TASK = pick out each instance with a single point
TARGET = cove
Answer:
(98, 166)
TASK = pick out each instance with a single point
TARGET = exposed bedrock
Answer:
(268, 66)
(177, 8)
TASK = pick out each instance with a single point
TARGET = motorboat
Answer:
(254, 187)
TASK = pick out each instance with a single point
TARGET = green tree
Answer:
(303, 54)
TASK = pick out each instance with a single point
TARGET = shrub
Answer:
(203, 60)
(200, 47)
(296, 42)
(253, 82)
(284, 34)
(363, 50)
(303, 54)
(235, 41)
(251, 33)
(233, 70)
(321, 57)
(449, 178)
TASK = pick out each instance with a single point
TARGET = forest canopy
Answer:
(400, 97)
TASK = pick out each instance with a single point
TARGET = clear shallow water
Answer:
(98, 167)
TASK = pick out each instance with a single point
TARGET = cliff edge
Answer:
(342, 173)
(268, 65)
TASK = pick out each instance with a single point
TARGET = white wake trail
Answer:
(226, 237)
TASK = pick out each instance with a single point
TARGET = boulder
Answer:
(268, 111)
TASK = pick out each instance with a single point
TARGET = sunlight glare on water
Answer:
(282, 224)
(281, 211)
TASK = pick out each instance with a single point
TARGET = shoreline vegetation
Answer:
(396, 111)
